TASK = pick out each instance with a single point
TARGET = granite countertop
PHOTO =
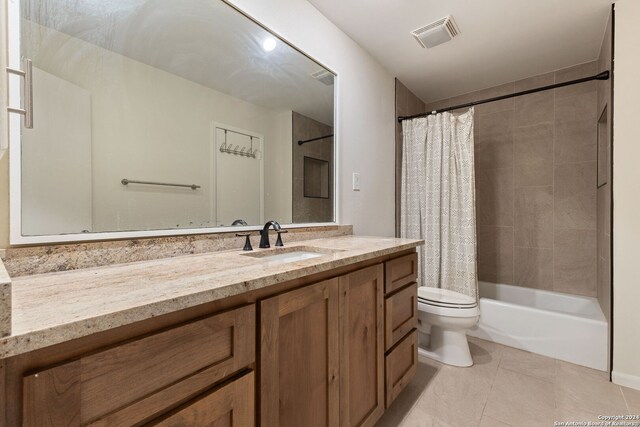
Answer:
(51, 308)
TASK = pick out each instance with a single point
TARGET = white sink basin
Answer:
(290, 254)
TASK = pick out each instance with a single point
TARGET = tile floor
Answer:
(507, 387)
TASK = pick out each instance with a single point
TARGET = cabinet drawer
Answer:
(400, 272)
(133, 381)
(401, 364)
(229, 405)
(401, 314)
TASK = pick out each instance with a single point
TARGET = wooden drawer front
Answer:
(229, 405)
(401, 364)
(135, 380)
(401, 314)
(400, 272)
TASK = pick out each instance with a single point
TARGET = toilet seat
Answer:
(445, 298)
(470, 311)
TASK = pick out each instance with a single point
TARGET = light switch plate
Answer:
(356, 181)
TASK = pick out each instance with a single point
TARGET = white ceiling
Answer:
(500, 40)
(204, 41)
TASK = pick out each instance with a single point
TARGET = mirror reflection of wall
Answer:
(313, 152)
(140, 90)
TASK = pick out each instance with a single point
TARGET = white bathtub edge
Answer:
(625, 380)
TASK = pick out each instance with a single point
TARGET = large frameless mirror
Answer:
(165, 115)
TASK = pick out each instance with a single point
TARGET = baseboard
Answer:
(626, 380)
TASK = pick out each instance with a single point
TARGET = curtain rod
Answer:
(315, 139)
(601, 76)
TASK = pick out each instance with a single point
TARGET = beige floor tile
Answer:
(487, 421)
(486, 356)
(517, 398)
(531, 364)
(576, 415)
(632, 399)
(420, 417)
(401, 407)
(583, 389)
(456, 395)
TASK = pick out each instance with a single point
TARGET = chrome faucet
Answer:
(264, 234)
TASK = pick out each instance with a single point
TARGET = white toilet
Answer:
(448, 315)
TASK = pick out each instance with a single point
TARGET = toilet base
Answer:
(449, 347)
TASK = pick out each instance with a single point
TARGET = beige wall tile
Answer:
(533, 267)
(600, 202)
(533, 155)
(576, 72)
(575, 262)
(494, 145)
(533, 109)
(494, 196)
(495, 254)
(604, 287)
(452, 102)
(575, 196)
(534, 217)
(492, 107)
(534, 82)
(576, 128)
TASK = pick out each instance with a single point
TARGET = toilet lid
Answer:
(445, 297)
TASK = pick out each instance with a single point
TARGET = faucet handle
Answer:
(279, 239)
(247, 242)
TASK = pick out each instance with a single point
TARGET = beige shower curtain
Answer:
(438, 199)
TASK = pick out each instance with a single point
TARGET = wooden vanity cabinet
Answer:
(322, 353)
(133, 382)
(333, 349)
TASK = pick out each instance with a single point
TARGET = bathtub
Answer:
(566, 327)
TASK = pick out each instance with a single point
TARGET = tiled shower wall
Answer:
(407, 104)
(604, 197)
(309, 209)
(536, 166)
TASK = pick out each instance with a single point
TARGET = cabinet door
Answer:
(231, 405)
(362, 357)
(299, 357)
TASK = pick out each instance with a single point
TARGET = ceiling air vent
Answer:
(437, 32)
(323, 76)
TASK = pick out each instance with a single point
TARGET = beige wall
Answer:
(365, 107)
(626, 195)
(536, 183)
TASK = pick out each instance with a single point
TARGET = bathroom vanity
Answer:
(221, 338)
